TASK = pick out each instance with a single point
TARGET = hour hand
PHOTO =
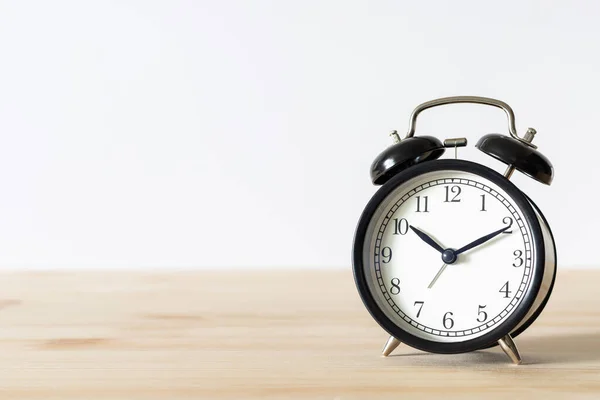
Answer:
(427, 239)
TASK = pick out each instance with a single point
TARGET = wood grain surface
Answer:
(267, 334)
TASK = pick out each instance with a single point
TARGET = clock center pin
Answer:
(449, 256)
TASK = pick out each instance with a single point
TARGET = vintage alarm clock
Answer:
(449, 256)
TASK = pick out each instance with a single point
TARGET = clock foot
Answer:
(510, 349)
(390, 346)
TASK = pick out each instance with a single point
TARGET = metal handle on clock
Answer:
(467, 99)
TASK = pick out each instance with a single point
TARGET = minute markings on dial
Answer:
(519, 224)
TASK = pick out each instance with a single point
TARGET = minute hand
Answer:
(481, 240)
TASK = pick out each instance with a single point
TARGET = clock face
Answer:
(449, 255)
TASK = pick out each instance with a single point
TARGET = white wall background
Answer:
(240, 133)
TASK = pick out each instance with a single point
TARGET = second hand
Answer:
(437, 275)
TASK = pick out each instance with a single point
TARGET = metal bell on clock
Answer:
(518, 154)
(404, 154)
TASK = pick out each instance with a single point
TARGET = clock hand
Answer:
(427, 239)
(481, 240)
(437, 275)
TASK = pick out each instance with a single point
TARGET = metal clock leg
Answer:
(390, 346)
(510, 349)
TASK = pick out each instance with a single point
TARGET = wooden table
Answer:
(268, 334)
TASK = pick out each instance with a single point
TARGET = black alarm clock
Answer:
(449, 256)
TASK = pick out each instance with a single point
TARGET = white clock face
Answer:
(447, 300)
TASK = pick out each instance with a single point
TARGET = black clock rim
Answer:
(504, 327)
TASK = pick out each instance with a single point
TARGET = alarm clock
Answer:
(449, 256)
